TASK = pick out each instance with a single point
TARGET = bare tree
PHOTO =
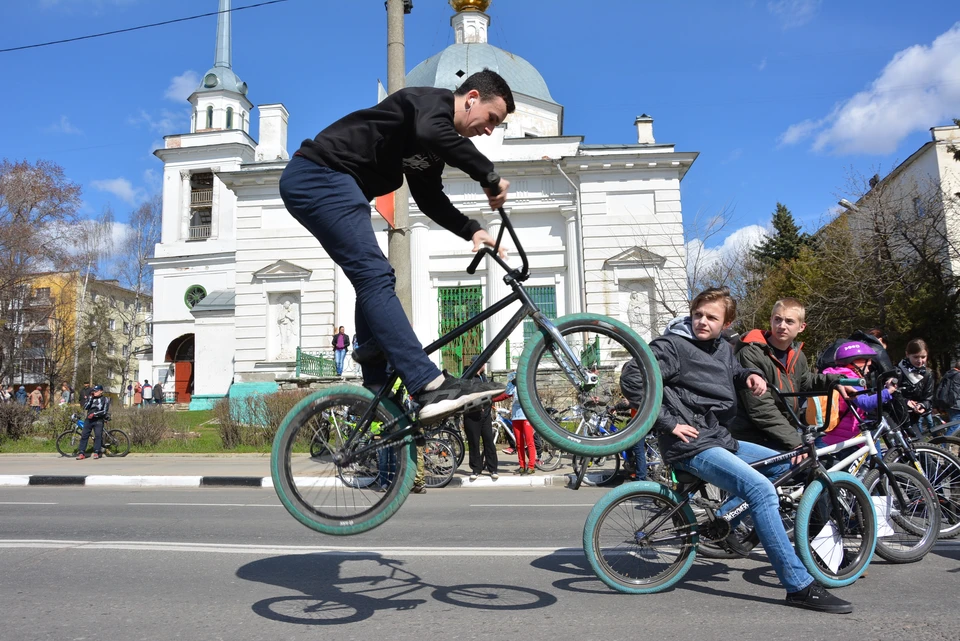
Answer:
(133, 272)
(38, 212)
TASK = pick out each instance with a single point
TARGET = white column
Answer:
(184, 205)
(495, 290)
(571, 258)
(423, 298)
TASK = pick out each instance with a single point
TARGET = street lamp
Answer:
(93, 354)
(849, 206)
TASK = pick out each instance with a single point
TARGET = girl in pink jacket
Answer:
(853, 360)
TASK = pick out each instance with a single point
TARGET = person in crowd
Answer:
(328, 184)
(341, 345)
(66, 394)
(96, 410)
(85, 393)
(522, 429)
(146, 390)
(632, 385)
(915, 382)
(700, 381)
(138, 394)
(158, 393)
(6, 394)
(21, 395)
(478, 426)
(36, 400)
(947, 397)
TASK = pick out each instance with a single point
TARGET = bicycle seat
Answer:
(684, 478)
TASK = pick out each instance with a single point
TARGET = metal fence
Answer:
(314, 364)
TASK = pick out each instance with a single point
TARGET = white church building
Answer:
(241, 289)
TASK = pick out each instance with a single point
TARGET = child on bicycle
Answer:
(700, 381)
(853, 360)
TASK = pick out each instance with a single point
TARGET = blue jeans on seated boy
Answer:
(732, 472)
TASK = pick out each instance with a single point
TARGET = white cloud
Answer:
(794, 13)
(122, 189)
(62, 126)
(153, 180)
(163, 122)
(762, 64)
(182, 86)
(700, 258)
(918, 89)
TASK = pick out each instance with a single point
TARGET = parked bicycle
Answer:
(115, 442)
(565, 362)
(643, 537)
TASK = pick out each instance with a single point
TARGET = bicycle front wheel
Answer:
(908, 530)
(116, 443)
(833, 559)
(547, 379)
(310, 482)
(68, 442)
(638, 539)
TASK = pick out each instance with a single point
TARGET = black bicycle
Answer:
(567, 361)
(643, 537)
(115, 442)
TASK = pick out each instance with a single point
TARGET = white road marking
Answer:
(532, 504)
(209, 504)
(223, 548)
(25, 503)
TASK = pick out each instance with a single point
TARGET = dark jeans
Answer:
(479, 425)
(97, 427)
(332, 207)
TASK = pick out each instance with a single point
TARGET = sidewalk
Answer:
(196, 470)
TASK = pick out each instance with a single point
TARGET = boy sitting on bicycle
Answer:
(700, 380)
(779, 357)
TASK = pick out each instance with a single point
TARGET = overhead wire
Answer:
(145, 26)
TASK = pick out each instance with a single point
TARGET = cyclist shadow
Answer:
(699, 578)
(340, 587)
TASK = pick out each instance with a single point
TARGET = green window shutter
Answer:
(458, 305)
(546, 300)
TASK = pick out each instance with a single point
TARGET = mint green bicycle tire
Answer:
(323, 502)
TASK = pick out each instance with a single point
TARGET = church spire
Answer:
(223, 36)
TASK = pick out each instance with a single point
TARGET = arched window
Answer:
(210, 117)
(229, 117)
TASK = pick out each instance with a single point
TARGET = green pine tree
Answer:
(786, 242)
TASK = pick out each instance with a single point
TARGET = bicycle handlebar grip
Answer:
(476, 260)
(857, 382)
(493, 184)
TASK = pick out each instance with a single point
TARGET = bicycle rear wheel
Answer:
(634, 544)
(310, 483)
(68, 442)
(116, 443)
(603, 346)
(439, 463)
(832, 559)
(907, 531)
(550, 457)
(449, 433)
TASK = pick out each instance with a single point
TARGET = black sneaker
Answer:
(816, 597)
(455, 395)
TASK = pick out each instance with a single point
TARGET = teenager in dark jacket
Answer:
(915, 383)
(779, 357)
(700, 377)
(329, 183)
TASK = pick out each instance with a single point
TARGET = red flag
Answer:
(385, 207)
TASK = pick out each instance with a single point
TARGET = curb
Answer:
(20, 480)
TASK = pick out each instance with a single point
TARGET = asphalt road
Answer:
(115, 564)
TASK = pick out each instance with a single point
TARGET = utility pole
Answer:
(398, 245)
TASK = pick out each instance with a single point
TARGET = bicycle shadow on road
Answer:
(698, 579)
(343, 587)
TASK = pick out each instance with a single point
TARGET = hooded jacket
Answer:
(763, 419)
(698, 389)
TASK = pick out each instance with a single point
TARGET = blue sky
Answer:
(783, 98)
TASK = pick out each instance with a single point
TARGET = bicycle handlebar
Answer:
(520, 274)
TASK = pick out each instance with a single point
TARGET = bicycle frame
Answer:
(562, 352)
